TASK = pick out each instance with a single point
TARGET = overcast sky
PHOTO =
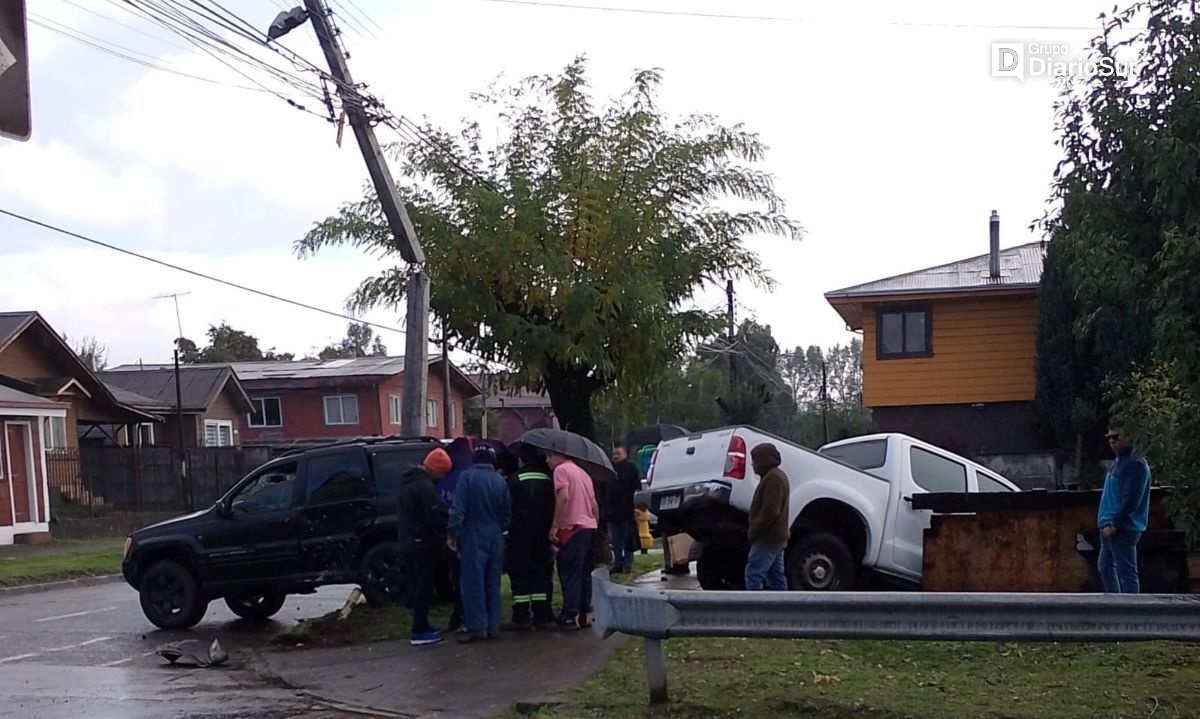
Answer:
(889, 138)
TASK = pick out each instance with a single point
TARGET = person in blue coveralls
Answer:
(480, 514)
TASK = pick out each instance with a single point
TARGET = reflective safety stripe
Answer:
(538, 597)
(525, 476)
(523, 598)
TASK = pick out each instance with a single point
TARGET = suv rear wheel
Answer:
(171, 597)
(256, 606)
(383, 575)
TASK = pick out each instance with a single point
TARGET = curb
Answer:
(65, 584)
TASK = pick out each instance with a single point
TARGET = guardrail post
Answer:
(656, 671)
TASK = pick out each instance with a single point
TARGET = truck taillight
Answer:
(735, 459)
(650, 472)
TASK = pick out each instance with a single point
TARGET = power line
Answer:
(122, 53)
(781, 18)
(195, 273)
(365, 15)
(355, 24)
(127, 26)
(227, 283)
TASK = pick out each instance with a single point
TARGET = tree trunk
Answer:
(571, 397)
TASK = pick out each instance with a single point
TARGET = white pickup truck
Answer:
(851, 511)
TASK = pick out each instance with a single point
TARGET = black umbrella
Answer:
(653, 434)
(579, 448)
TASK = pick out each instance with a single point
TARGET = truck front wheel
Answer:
(821, 562)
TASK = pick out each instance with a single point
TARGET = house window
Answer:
(395, 412)
(431, 413)
(218, 433)
(54, 433)
(145, 435)
(904, 332)
(452, 420)
(267, 412)
(341, 409)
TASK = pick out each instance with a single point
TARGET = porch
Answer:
(24, 492)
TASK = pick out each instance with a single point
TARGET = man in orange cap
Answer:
(421, 520)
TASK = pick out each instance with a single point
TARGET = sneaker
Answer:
(567, 624)
(472, 637)
(432, 636)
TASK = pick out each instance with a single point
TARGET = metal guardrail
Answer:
(658, 614)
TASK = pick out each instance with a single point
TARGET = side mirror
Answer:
(224, 511)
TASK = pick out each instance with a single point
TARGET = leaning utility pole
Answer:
(416, 355)
(732, 334)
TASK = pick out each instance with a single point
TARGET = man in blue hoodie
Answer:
(480, 514)
(1124, 513)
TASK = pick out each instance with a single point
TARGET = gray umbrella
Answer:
(577, 447)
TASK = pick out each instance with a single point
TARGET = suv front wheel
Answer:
(171, 597)
(256, 606)
(383, 574)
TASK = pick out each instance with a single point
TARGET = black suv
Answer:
(322, 516)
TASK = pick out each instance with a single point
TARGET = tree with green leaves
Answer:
(226, 344)
(568, 248)
(1120, 292)
(360, 341)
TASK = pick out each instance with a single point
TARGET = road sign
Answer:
(14, 71)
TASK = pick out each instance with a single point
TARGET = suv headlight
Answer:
(128, 546)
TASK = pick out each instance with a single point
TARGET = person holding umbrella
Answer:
(530, 559)
(573, 531)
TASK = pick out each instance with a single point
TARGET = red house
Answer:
(305, 400)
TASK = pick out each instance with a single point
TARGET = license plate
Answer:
(671, 501)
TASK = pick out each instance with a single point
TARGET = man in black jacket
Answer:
(619, 512)
(530, 558)
(421, 520)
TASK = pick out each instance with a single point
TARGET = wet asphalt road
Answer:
(88, 651)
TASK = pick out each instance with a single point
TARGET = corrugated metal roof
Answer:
(312, 369)
(136, 400)
(198, 385)
(11, 323)
(1020, 266)
(10, 396)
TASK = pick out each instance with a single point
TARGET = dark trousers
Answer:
(420, 586)
(455, 564)
(622, 549)
(531, 573)
(575, 573)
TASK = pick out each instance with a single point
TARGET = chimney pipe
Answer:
(994, 248)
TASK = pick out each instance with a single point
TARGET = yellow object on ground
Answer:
(642, 517)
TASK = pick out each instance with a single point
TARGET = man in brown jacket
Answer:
(769, 530)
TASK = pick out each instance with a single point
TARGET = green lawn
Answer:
(62, 560)
(366, 624)
(771, 679)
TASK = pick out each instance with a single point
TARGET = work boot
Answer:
(520, 618)
(543, 615)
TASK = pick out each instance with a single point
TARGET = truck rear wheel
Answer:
(721, 568)
(821, 562)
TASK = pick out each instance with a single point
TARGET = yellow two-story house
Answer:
(948, 351)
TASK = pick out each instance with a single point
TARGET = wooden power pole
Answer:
(416, 357)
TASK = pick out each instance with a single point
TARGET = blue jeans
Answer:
(618, 534)
(1118, 563)
(482, 565)
(764, 569)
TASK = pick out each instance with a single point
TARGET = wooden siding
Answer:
(983, 351)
